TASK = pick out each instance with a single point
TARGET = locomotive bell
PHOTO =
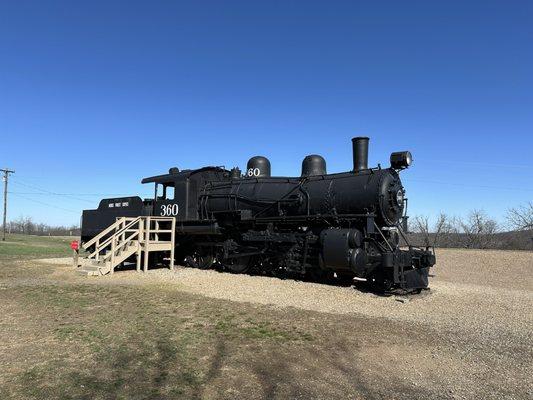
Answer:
(258, 167)
(313, 165)
(235, 173)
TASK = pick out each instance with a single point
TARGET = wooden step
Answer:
(91, 268)
(105, 270)
(87, 273)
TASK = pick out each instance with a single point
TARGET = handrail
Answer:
(120, 231)
(101, 234)
(105, 243)
(143, 231)
(120, 245)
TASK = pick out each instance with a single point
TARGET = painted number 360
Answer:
(169, 210)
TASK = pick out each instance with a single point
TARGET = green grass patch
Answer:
(128, 368)
(58, 298)
(113, 341)
(35, 246)
(249, 328)
(137, 348)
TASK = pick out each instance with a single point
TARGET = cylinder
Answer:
(360, 153)
(258, 167)
(313, 165)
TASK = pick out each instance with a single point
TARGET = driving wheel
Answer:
(238, 265)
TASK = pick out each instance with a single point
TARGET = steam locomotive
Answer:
(340, 226)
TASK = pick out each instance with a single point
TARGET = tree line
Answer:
(476, 230)
(26, 226)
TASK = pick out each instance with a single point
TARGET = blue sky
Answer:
(96, 95)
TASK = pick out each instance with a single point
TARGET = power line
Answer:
(50, 192)
(31, 186)
(474, 163)
(467, 185)
(70, 194)
(45, 204)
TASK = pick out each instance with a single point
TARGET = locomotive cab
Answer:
(171, 195)
(176, 193)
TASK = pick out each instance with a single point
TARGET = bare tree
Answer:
(421, 223)
(478, 230)
(521, 218)
(442, 227)
(433, 235)
(29, 226)
(19, 225)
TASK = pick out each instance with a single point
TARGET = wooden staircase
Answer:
(128, 237)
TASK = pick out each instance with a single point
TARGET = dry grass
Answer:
(203, 334)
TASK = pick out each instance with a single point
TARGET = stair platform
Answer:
(128, 238)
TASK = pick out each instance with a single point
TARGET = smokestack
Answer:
(360, 153)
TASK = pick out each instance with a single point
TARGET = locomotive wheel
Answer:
(201, 260)
(205, 261)
(238, 265)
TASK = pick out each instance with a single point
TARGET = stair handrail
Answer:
(119, 231)
(95, 239)
(100, 247)
(120, 245)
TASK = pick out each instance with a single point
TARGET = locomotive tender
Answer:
(341, 226)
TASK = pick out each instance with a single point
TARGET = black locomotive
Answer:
(342, 226)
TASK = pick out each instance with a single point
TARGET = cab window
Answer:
(164, 191)
(169, 192)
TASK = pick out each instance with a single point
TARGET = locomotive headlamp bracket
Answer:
(401, 159)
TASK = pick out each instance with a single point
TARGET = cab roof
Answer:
(186, 173)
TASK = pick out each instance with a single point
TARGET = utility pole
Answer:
(6, 176)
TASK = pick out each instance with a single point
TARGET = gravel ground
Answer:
(498, 283)
(466, 282)
(471, 334)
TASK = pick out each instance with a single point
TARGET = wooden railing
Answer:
(115, 243)
(120, 227)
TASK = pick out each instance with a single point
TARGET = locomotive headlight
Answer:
(399, 197)
(401, 159)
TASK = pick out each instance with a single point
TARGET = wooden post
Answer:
(96, 247)
(75, 246)
(173, 227)
(147, 243)
(113, 254)
(140, 244)
(6, 177)
(75, 255)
